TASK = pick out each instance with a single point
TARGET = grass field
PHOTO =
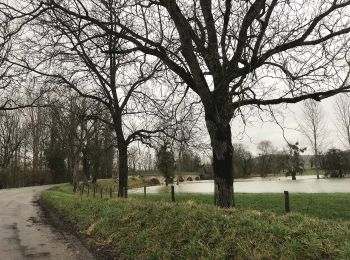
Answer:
(191, 229)
(321, 205)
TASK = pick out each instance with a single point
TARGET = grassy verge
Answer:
(333, 206)
(138, 229)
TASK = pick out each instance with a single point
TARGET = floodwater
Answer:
(303, 184)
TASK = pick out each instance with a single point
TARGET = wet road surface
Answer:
(24, 235)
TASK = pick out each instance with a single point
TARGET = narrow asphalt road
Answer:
(24, 234)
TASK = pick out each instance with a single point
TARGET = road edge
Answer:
(57, 221)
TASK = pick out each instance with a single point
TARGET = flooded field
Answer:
(303, 184)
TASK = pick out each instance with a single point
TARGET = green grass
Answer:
(312, 171)
(158, 173)
(138, 229)
(321, 205)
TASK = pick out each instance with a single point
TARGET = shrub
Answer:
(207, 172)
(336, 163)
(189, 178)
(153, 182)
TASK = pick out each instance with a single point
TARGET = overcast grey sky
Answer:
(258, 130)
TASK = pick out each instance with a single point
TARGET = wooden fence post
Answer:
(172, 193)
(144, 191)
(94, 191)
(88, 191)
(101, 192)
(110, 192)
(286, 201)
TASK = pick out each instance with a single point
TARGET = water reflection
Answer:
(307, 184)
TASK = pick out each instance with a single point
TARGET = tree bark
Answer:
(123, 170)
(220, 135)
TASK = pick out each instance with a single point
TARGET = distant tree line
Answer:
(290, 161)
(72, 140)
(54, 144)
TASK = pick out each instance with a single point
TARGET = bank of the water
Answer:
(138, 229)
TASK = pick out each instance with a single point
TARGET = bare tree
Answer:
(265, 158)
(313, 128)
(79, 139)
(5, 48)
(232, 54)
(38, 131)
(13, 78)
(343, 117)
(72, 54)
(12, 134)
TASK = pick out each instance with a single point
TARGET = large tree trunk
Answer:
(220, 135)
(123, 170)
